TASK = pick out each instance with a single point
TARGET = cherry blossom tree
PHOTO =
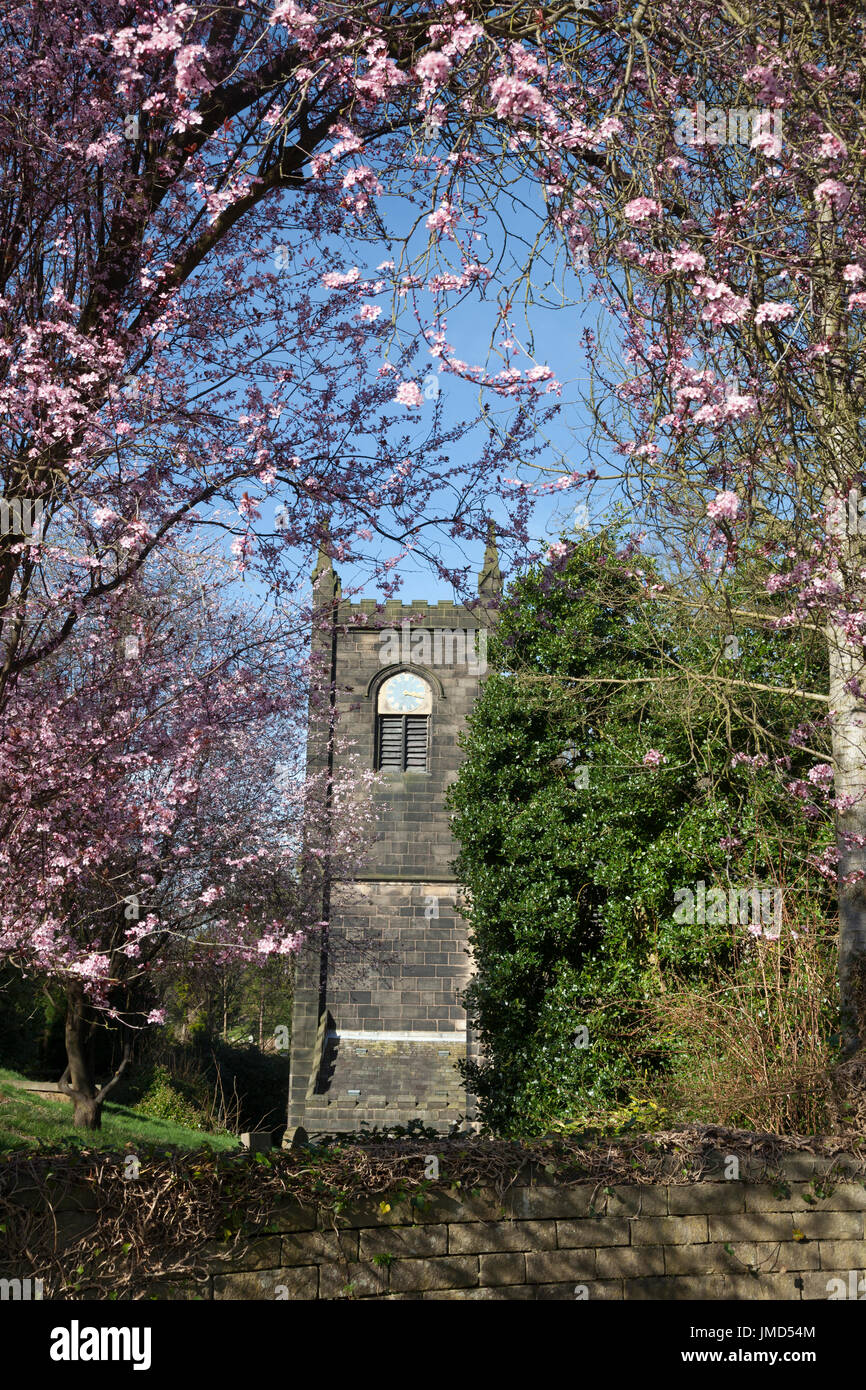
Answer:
(184, 340)
(153, 805)
(705, 166)
(187, 342)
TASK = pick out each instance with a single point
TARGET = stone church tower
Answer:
(377, 1027)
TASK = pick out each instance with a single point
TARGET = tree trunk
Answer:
(87, 1111)
(849, 756)
(77, 1081)
(847, 691)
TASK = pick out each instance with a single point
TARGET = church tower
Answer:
(378, 1029)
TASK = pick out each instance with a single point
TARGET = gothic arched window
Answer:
(403, 709)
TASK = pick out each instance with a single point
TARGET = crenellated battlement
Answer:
(441, 614)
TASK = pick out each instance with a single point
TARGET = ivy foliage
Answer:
(572, 847)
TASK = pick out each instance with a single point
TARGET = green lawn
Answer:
(31, 1122)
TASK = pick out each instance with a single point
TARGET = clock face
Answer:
(405, 694)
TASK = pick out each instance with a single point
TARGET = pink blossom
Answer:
(611, 125)
(514, 99)
(335, 281)
(737, 407)
(831, 190)
(409, 393)
(821, 775)
(723, 305)
(764, 135)
(293, 18)
(642, 209)
(777, 582)
(766, 79)
(433, 68)
(685, 260)
(724, 506)
(769, 312)
(831, 146)
(853, 273)
(190, 77)
(653, 758)
(444, 216)
(156, 1016)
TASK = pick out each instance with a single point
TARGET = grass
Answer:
(29, 1122)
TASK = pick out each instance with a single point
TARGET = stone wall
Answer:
(785, 1238)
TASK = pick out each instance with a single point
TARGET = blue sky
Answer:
(549, 331)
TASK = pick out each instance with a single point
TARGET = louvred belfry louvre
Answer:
(403, 740)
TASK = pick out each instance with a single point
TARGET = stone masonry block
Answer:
(637, 1200)
(630, 1261)
(830, 1225)
(805, 1167)
(450, 1272)
(704, 1198)
(586, 1291)
(502, 1269)
(761, 1198)
(765, 1286)
(352, 1281)
(560, 1266)
(777, 1226)
(789, 1255)
(262, 1252)
(475, 1237)
(674, 1288)
(445, 1206)
(847, 1196)
(835, 1285)
(710, 1258)
(839, 1254)
(520, 1292)
(404, 1241)
(530, 1203)
(368, 1213)
(290, 1215)
(283, 1284)
(668, 1230)
(605, 1230)
(304, 1247)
